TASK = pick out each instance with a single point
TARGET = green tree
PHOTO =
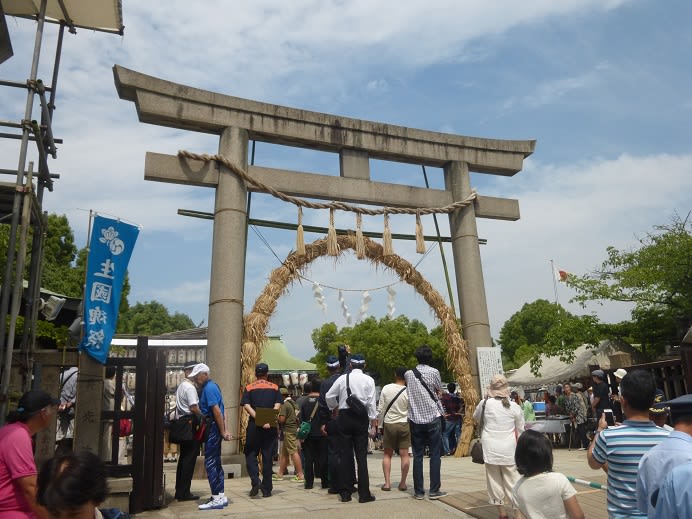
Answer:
(542, 327)
(656, 277)
(63, 264)
(152, 318)
(385, 343)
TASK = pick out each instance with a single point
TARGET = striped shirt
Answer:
(622, 447)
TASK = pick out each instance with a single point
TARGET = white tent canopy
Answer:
(553, 370)
(99, 15)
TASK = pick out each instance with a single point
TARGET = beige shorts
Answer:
(290, 444)
(396, 436)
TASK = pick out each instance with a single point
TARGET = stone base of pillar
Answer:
(119, 497)
(232, 462)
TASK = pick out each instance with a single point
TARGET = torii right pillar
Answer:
(473, 308)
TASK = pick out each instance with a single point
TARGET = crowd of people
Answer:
(325, 435)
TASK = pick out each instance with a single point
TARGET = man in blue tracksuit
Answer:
(211, 405)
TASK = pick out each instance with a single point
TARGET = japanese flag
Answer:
(561, 275)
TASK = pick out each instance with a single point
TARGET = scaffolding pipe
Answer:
(7, 345)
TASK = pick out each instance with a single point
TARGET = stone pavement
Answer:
(463, 480)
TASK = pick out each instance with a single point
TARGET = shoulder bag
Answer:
(305, 426)
(391, 403)
(354, 404)
(433, 396)
(182, 429)
(477, 447)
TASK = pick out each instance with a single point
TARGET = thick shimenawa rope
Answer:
(300, 202)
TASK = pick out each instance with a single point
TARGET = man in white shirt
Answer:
(392, 411)
(353, 427)
(186, 403)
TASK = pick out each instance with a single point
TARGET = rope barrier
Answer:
(342, 206)
(587, 483)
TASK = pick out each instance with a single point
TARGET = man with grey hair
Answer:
(211, 405)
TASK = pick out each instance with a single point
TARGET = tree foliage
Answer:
(152, 318)
(385, 343)
(656, 277)
(546, 328)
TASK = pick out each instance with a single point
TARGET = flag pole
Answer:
(552, 273)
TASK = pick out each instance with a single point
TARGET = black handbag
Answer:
(354, 404)
(182, 429)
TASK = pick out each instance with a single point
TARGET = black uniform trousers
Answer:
(189, 450)
(353, 439)
(259, 440)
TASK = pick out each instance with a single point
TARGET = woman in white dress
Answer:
(503, 421)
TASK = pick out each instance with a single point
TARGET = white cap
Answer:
(199, 368)
(620, 373)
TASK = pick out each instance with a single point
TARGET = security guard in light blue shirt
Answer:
(658, 462)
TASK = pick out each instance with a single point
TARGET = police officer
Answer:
(353, 423)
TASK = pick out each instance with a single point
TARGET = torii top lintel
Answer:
(171, 104)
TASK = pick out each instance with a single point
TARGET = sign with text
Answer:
(110, 248)
(489, 365)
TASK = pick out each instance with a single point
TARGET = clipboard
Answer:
(265, 415)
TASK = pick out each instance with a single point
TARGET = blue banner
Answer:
(110, 248)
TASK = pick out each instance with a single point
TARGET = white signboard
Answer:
(489, 365)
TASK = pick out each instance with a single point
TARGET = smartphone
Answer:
(610, 418)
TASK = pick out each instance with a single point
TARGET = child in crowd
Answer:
(542, 493)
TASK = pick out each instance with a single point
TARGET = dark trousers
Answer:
(259, 440)
(315, 451)
(430, 435)
(580, 431)
(187, 458)
(353, 439)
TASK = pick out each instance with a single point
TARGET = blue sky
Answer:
(603, 86)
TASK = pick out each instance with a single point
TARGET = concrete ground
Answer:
(460, 479)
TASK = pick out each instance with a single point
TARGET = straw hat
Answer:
(499, 387)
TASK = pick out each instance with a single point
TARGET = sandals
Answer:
(386, 489)
(403, 488)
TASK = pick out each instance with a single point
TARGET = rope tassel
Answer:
(387, 249)
(360, 241)
(420, 241)
(300, 238)
(332, 245)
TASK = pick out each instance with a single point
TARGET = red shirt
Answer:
(16, 461)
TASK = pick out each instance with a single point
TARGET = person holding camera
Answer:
(621, 447)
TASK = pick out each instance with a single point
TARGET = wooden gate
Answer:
(147, 414)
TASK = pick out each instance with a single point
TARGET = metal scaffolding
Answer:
(21, 201)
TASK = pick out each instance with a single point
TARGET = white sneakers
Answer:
(214, 503)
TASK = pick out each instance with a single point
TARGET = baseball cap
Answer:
(190, 365)
(261, 369)
(199, 368)
(598, 373)
(659, 406)
(283, 390)
(332, 362)
(358, 360)
(33, 401)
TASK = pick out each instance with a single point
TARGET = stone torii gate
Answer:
(237, 121)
